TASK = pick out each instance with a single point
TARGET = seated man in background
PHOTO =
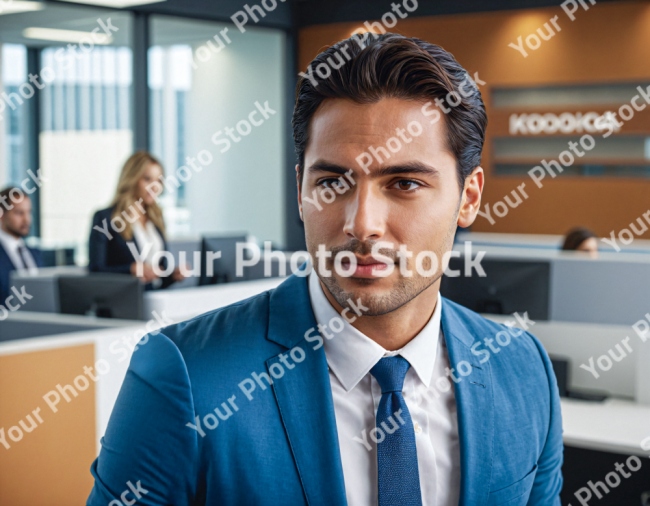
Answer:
(15, 222)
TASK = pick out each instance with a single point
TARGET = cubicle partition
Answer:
(271, 267)
(57, 453)
(545, 241)
(50, 440)
(611, 289)
(41, 286)
(29, 324)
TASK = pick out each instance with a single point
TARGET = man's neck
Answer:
(10, 234)
(394, 330)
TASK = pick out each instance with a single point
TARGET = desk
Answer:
(30, 324)
(578, 342)
(597, 438)
(614, 425)
(184, 304)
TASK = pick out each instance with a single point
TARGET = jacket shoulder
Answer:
(480, 328)
(102, 213)
(236, 323)
(472, 320)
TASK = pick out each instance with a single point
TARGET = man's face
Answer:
(410, 199)
(18, 221)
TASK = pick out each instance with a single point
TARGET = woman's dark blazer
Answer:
(109, 252)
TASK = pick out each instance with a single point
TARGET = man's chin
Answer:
(375, 294)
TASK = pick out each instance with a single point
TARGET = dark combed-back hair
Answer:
(575, 237)
(6, 193)
(394, 66)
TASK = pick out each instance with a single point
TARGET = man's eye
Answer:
(331, 182)
(406, 184)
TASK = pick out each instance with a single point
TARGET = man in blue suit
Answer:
(355, 383)
(15, 222)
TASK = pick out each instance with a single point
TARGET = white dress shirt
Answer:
(350, 356)
(150, 245)
(11, 245)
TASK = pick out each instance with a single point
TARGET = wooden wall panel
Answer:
(609, 43)
(49, 466)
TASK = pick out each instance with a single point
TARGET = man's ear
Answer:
(299, 190)
(471, 198)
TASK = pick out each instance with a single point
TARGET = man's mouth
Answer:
(366, 266)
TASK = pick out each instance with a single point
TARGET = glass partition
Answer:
(218, 126)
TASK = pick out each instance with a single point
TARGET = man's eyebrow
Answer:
(323, 166)
(407, 168)
(391, 170)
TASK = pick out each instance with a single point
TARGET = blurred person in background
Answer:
(15, 223)
(134, 218)
(581, 239)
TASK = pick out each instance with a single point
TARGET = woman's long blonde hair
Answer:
(125, 194)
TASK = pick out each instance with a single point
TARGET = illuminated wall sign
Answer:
(565, 123)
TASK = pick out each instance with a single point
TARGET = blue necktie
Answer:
(397, 458)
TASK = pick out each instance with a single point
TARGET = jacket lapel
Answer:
(475, 407)
(4, 257)
(304, 395)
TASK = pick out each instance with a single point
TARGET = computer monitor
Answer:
(224, 269)
(509, 286)
(102, 295)
(561, 370)
(57, 257)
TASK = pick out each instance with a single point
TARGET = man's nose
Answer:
(365, 214)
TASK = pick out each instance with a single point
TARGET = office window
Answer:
(205, 80)
(13, 117)
(86, 132)
(170, 82)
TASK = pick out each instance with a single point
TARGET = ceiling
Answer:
(63, 17)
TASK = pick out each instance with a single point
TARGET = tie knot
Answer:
(390, 372)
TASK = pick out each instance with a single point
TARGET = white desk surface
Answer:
(187, 303)
(613, 425)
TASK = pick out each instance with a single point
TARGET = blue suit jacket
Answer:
(281, 447)
(6, 266)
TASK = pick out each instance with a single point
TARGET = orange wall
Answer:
(609, 43)
(49, 466)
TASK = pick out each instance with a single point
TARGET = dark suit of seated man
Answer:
(15, 222)
(358, 384)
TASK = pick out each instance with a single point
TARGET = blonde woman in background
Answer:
(133, 217)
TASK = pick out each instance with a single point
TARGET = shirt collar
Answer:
(10, 241)
(351, 354)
